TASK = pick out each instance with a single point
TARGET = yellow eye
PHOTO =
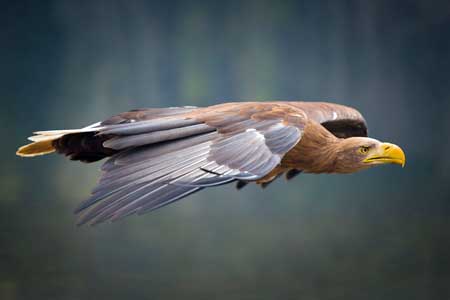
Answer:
(363, 149)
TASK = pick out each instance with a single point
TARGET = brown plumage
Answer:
(158, 156)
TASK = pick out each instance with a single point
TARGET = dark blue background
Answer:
(378, 234)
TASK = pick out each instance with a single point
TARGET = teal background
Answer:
(377, 234)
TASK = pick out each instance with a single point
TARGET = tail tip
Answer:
(36, 149)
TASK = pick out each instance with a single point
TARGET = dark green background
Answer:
(378, 234)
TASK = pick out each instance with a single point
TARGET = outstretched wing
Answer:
(165, 159)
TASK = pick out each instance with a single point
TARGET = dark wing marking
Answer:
(342, 121)
(346, 128)
(158, 167)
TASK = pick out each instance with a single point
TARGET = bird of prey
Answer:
(157, 156)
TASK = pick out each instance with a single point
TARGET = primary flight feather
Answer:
(158, 156)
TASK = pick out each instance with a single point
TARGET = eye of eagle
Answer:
(363, 149)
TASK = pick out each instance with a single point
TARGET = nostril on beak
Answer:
(387, 148)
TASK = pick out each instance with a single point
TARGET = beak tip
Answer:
(389, 153)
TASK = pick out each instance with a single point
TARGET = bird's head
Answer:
(358, 153)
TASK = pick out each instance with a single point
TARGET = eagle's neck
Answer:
(316, 152)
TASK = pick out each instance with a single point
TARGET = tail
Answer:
(37, 148)
(79, 144)
(84, 144)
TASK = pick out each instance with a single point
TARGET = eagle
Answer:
(157, 156)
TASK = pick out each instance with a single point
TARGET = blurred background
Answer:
(378, 234)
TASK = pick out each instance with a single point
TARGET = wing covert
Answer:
(342, 121)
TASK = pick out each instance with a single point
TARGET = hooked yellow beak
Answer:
(386, 153)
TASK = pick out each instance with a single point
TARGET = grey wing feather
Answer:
(122, 142)
(148, 126)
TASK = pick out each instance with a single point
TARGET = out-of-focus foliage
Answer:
(379, 234)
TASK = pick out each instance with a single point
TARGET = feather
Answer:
(118, 143)
(148, 126)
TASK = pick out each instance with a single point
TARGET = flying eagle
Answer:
(157, 156)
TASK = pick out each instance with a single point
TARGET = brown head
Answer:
(319, 151)
(359, 153)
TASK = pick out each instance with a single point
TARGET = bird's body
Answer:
(158, 156)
